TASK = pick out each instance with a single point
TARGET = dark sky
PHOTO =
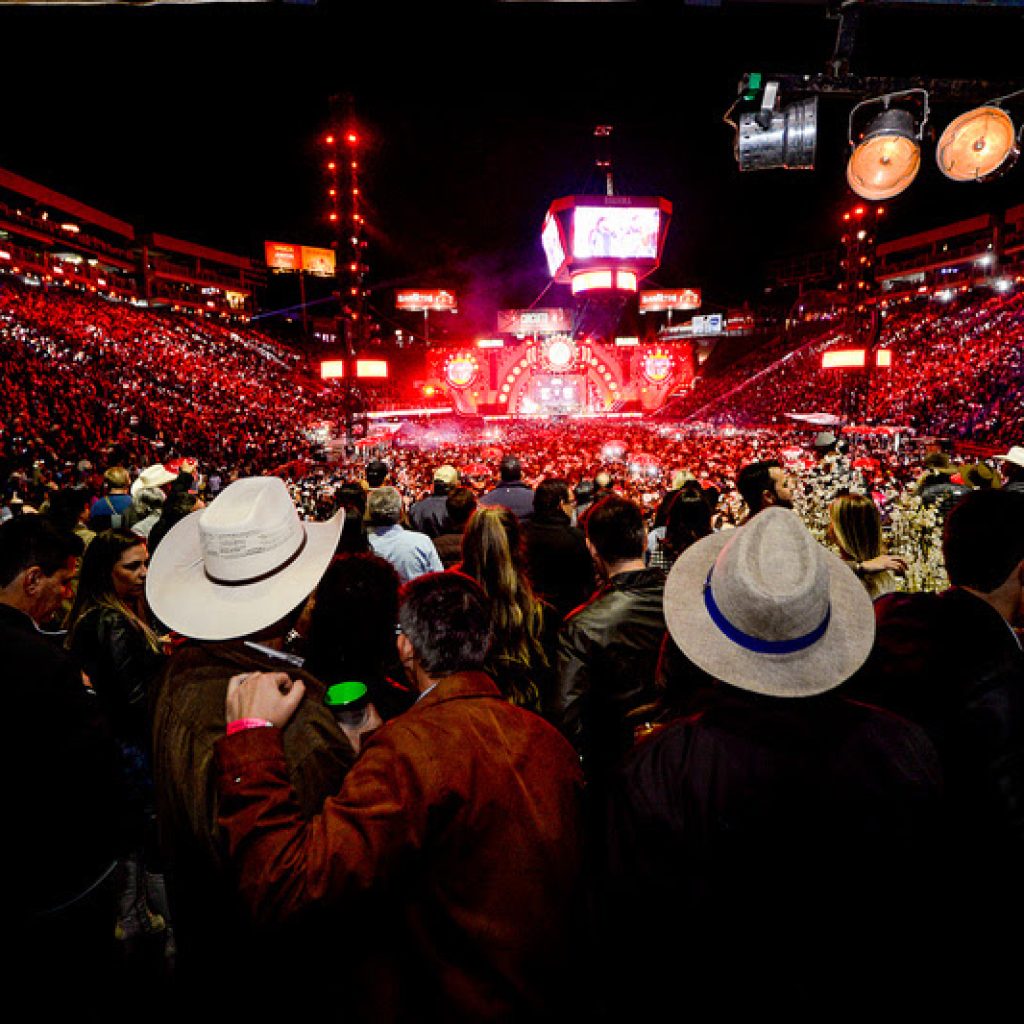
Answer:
(202, 122)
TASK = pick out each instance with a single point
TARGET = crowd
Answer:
(519, 723)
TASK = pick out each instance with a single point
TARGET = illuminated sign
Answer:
(490, 343)
(461, 369)
(883, 358)
(331, 369)
(285, 256)
(420, 299)
(551, 239)
(657, 365)
(371, 368)
(710, 324)
(843, 358)
(534, 321)
(627, 342)
(674, 298)
(616, 232)
(594, 280)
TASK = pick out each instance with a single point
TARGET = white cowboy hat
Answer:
(1014, 455)
(241, 564)
(766, 608)
(153, 476)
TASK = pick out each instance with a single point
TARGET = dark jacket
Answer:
(430, 515)
(776, 847)
(122, 666)
(188, 719)
(558, 561)
(514, 495)
(952, 664)
(607, 655)
(65, 832)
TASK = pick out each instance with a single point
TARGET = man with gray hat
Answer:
(233, 579)
(783, 829)
(410, 552)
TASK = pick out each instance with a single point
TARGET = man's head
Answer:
(376, 472)
(603, 484)
(37, 564)
(460, 506)
(1012, 464)
(510, 469)
(445, 478)
(766, 483)
(983, 545)
(384, 506)
(615, 531)
(244, 565)
(445, 621)
(116, 479)
(552, 495)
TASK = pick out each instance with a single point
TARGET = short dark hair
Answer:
(510, 469)
(66, 506)
(460, 505)
(376, 472)
(983, 539)
(753, 480)
(352, 628)
(447, 618)
(550, 494)
(615, 526)
(33, 540)
(584, 491)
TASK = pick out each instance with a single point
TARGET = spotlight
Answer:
(887, 154)
(772, 138)
(978, 145)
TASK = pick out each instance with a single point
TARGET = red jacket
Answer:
(452, 856)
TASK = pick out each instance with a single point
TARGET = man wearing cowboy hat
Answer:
(233, 578)
(1012, 467)
(772, 827)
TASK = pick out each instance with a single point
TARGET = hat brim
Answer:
(187, 601)
(842, 649)
(165, 478)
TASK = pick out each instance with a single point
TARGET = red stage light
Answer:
(351, 138)
(329, 140)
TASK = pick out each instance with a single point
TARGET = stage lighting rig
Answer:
(771, 136)
(980, 144)
(887, 148)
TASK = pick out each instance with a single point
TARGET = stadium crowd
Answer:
(524, 723)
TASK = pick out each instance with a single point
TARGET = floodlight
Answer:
(978, 145)
(771, 138)
(887, 154)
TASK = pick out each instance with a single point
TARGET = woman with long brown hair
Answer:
(112, 636)
(521, 657)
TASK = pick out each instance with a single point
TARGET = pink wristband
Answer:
(248, 723)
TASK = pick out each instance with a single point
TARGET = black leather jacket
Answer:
(607, 655)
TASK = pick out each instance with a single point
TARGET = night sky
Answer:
(202, 122)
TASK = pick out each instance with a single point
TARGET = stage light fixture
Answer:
(771, 137)
(978, 145)
(887, 152)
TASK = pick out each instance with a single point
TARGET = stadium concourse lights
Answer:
(887, 150)
(980, 144)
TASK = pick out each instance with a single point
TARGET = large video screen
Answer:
(551, 239)
(627, 232)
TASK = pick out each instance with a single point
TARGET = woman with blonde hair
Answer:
(521, 655)
(855, 528)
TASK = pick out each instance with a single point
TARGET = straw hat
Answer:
(240, 564)
(153, 476)
(1014, 455)
(766, 608)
